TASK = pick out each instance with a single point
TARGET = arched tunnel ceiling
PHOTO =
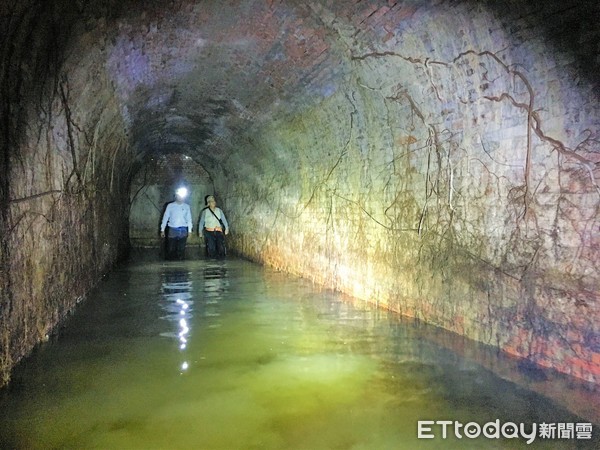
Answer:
(460, 137)
(193, 77)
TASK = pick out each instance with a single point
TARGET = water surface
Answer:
(229, 355)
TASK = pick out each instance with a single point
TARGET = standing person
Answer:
(214, 227)
(178, 216)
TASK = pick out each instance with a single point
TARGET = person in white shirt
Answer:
(214, 227)
(177, 221)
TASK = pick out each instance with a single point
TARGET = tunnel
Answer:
(437, 159)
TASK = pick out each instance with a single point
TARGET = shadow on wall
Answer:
(561, 25)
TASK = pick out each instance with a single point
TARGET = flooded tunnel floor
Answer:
(229, 355)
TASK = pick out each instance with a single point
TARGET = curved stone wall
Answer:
(436, 158)
(66, 162)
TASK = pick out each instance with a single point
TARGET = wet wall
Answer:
(65, 164)
(437, 158)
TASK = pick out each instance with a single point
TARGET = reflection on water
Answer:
(227, 355)
(214, 290)
(177, 301)
(179, 304)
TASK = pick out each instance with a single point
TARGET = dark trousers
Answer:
(215, 244)
(176, 241)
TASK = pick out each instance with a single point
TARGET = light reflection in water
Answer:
(276, 364)
(176, 300)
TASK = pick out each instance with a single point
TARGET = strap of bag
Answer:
(217, 217)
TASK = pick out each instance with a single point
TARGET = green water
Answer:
(229, 355)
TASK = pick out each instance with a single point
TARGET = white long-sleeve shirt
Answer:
(177, 215)
(208, 220)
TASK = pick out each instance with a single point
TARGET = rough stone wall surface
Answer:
(63, 212)
(453, 178)
(438, 158)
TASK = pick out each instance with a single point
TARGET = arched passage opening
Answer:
(154, 185)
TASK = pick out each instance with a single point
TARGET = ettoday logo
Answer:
(429, 429)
